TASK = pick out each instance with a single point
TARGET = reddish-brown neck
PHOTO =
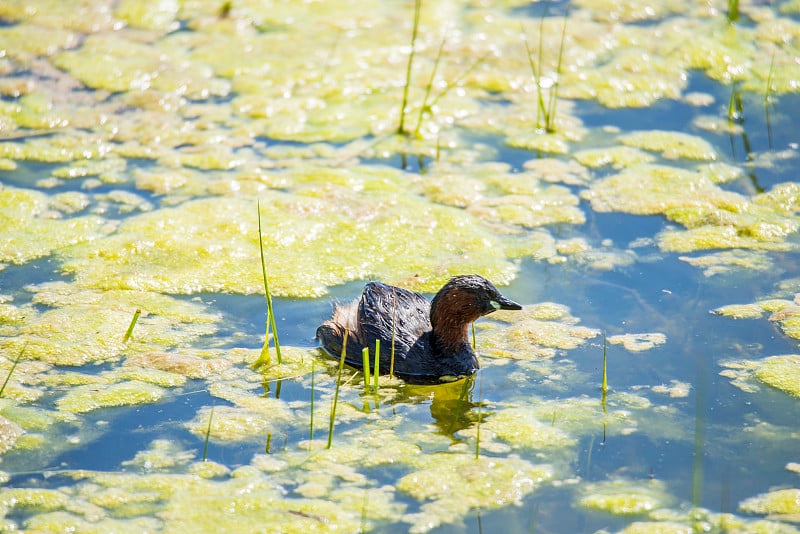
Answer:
(451, 314)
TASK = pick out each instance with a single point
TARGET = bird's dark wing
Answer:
(384, 309)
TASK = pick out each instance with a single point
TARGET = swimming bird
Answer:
(431, 342)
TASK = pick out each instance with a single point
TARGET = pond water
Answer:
(653, 222)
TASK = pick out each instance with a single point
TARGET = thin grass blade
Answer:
(336, 391)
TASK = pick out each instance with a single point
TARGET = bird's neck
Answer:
(451, 337)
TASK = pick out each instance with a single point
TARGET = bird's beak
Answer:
(502, 303)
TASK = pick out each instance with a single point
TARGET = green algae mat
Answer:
(626, 170)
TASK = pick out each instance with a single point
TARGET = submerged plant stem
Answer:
(480, 414)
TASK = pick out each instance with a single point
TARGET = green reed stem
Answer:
(377, 367)
(394, 322)
(13, 366)
(129, 332)
(735, 105)
(474, 343)
(365, 363)
(311, 419)
(540, 109)
(336, 391)
(767, 96)
(551, 107)
(733, 10)
(401, 129)
(208, 433)
(270, 312)
(541, 112)
(429, 86)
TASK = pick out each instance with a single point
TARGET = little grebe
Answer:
(431, 341)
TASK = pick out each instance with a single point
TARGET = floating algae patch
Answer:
(537, 332)
(495, 194)
(740, 311)
(161, 455)
(189, 363)
(83, 399)
(782, 311)
(33, 499)
(88, 326)
(779, 504)
(675, 389)
(729, 260)
(246, 500)
(10, 432)
(453, 484)
(249, 500)
(239, 424)
(149, 14)
(714, 218)
(336, 226)
(625, 497)
(295, 362)
(28, 233)
(521, 428)
(618, 157)
(671, 145)
(117, 62)
(781, 372)
(64, 521)
(638, 342)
